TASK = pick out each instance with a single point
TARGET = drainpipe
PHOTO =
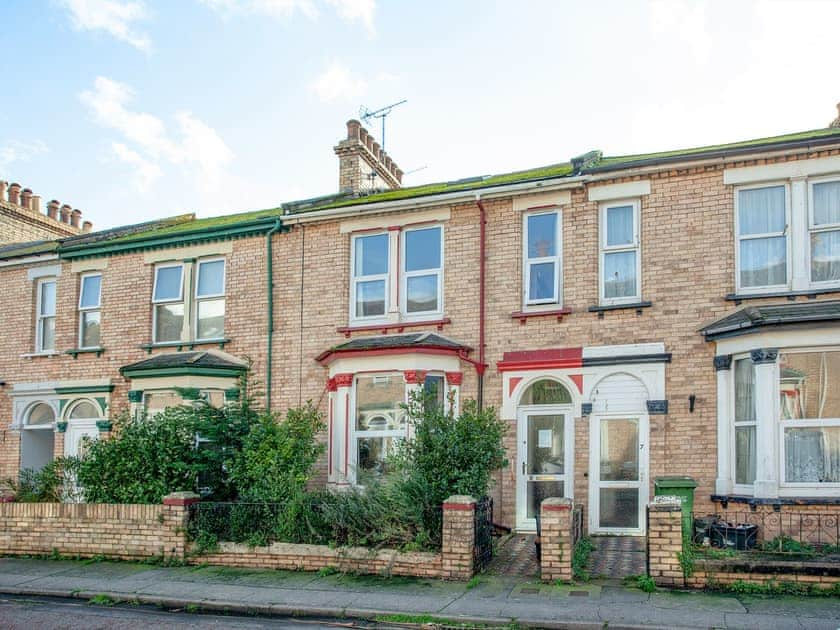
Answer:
(270, 308)
(481, 365)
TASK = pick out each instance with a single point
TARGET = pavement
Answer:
(487, 600)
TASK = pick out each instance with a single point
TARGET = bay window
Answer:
(542, 258)
(380, 419)
(183, 313)
(745, 425)
(620, 256)
(762, 228)
(809, 411)
(397, 275)
(90, 315)
(45, 315)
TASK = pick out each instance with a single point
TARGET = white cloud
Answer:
(115, 17)
(685, 21)
(349, 10)
(337, 83)
(195, 147)
(16, 151)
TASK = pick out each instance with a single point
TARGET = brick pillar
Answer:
(664, 538)
(175, 517)
(556, 534)
(458, 537)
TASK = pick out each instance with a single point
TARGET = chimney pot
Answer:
(363, 135)
(3, 186)
(835, 124)
(36, 203)
(369, 142)
(26, 198)
(75, 218)
(375, 149)
(353, 129)
(398, 174)
(14, 193)
(388, 162)
(52, 209)
(65, 213)
(87, 226)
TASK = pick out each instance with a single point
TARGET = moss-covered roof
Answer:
(166, 232)
(32, 248)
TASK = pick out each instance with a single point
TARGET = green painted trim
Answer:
(75, 352)
(87, 389)
(60, 427)
(61, 405)
(183, 371)
(189, 345)
(135, 395)
(176, 239)
(104, 425)
(103, 403)
(232, 394)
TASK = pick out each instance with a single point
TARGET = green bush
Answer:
(51, 484)
(276, 458)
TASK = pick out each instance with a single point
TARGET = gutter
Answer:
(464, 196)
(25, 260)
(269, 287)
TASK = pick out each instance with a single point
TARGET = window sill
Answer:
(753, 502)
(399, 327)
(181, 345)
(75, 352)
(524, 316)
(32, 355)
(790, 295)
(636, 306)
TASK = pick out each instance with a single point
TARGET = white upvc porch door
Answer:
(545, 459)
(618, 473)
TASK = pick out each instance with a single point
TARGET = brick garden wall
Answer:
(557, 545)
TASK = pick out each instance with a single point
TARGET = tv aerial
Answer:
(367, 115)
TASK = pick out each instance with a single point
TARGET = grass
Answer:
(473, 582)
(102, 600)
(432, 620)
(580, 559)
(772, 588)
(642, 582)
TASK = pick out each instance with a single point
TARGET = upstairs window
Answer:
(542, 258)
(168, 299)
(370, 276)
(422, 270)
(189, 301)
(825, 232)
(762, 251)
(620, 255)
(90, 314)
(397, 274)
(210, 300)
(45, 309)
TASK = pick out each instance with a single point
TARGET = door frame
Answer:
(595, 471)
(522, 413)
(78, 423)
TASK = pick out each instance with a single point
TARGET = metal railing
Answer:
(786, 532)
(255, 523)
(577, 524)
(483, 547)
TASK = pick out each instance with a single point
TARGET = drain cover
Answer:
(530, 591)
(578, 593)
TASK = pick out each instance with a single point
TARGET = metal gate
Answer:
(483, 549)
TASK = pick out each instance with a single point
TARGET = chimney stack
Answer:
(65, 213)
(835, 124)
(363, 166)
(14, 194)
(26, 198)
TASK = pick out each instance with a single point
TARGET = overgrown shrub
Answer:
(276, 457)
(51, 484)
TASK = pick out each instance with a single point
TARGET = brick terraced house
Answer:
(629, 317)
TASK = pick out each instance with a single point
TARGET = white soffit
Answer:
(385, 221)
(619, 191)
(783, 170)
(542, 200)
(195, 251)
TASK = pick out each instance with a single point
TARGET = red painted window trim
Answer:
(524, 316)
(395, 327)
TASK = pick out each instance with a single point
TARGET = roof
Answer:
(32, 248)
(407, 342)
(752, 319)
(208, 363)
(181, 229)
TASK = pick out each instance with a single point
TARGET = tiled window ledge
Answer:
(398, 327)
(524, 316)
(635, 306)
(75, 352)
(188, 345)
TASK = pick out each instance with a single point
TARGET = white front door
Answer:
(545, 456)
(76, 431)
(618, 467)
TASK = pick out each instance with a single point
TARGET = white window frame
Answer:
(405, 275)
(156, 301)
(354, 280)
(786, 233)
(40, 317)
(635, 246)
(742, 488)
(83, 310)
(557, 259)
(813, 229)
(797, 488)
(356, 435)
(210, 297)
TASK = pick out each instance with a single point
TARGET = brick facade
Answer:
(557, 546)
(22, 219)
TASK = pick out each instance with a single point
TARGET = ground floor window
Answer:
(380, 419)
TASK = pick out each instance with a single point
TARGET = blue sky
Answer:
(135, 109)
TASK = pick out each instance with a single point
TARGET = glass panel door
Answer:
(543, 459)
(620, 474)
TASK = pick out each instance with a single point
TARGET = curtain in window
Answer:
(826, 203)
(619, 274)
(763, 260)
(619, 226)
(812, 455)
(744, 394)
(761, 210)
(825, 256)
(745, 455)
